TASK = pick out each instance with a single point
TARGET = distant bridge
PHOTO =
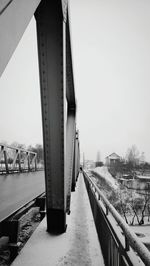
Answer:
(14, 160)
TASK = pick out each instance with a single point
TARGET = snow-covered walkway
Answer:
(103, 172)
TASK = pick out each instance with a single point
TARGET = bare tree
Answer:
(121, 204)
(132, 155)
(38, 148)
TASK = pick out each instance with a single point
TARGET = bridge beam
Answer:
(15, 16)
(77, 156)
(51, 46)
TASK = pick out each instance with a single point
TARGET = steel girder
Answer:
(51, 40)
(56, 77)
(57, 87)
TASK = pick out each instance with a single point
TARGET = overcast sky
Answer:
(111, 55)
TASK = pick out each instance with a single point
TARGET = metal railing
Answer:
(120, 246)
(13, 159)
(12, 224)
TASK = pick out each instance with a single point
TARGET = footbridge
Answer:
(70, 234)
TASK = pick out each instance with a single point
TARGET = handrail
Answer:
(130, 236)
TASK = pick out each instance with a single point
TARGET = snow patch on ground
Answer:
(103, 172)
(144, 177)
(143, 230)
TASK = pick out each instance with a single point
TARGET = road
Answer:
(17, 189)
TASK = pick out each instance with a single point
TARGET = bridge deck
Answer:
(78, 246)
(17, 189)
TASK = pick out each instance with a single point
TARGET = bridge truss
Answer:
(61, 144)
(14, 160)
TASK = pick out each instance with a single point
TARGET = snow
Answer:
(143, 230)
(103, 172)
(144, 177)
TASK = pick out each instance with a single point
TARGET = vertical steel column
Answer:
(19, 160)
(1, 152)
(77, 156)
(73, 173)
(15, 159)
(35, 162)
(6, 161)
(51, 38)
(28, 161)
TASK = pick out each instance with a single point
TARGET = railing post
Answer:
(127, 246)
(51, 45)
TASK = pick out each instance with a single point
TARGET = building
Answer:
(112, 159)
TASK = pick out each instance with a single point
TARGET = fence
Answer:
(120, 246)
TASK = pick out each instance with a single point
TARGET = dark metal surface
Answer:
(18, 189)
(51, 44)
(118, 242)
(77, 155)
(70, 90)
(56, 73)
(76, 161)
(58, 108)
